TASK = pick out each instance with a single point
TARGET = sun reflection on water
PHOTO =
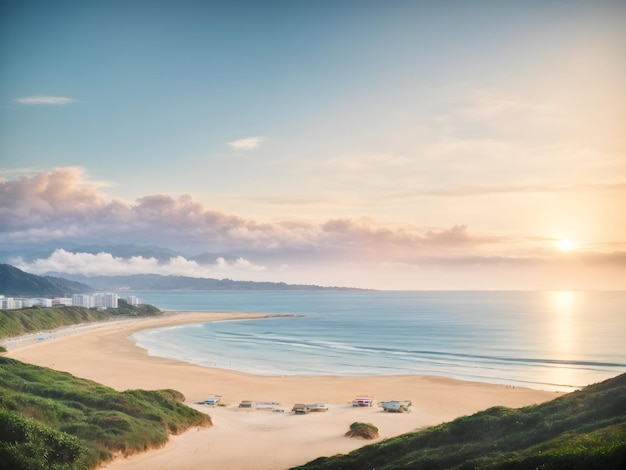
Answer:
(564, 301)
(564, 334)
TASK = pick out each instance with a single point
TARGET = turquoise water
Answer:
(545, 340)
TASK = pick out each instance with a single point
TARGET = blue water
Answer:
(544, 340)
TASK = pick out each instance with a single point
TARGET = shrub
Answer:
(363, 431)
(53, 420)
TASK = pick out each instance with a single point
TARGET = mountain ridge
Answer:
(15, 282)
(173, 282)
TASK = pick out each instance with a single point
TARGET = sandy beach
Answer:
(255, 438)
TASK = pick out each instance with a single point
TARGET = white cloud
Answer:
(103, 263)
(248, 143)
(46, 100)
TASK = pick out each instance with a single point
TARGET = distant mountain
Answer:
(159, 282)
(15, 282)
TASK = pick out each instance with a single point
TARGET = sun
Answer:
(565, 245)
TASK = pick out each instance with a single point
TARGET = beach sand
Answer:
(255, 439)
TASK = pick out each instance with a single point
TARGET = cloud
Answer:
(495, 190)
(248, 143)
(63, 206)
(63, 193)
(104, 263)
(46, 100)
(365, 233)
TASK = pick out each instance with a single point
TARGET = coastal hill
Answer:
(33, 319)
(585, 429)
(15, 282)
(54, 420)
(140, 282)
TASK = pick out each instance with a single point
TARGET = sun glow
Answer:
(565, 245)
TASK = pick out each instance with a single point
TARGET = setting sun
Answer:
(565, 245)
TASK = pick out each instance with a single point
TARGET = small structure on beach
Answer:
(396, 406)
(267, 405)
(301, 409)
(363, 401)
(213, 400)
(317, 407)
(245, 404)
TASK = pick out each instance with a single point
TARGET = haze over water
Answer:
(548, 340)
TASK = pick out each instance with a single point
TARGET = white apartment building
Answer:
(44, 302)
(67, 301)
(83, 300)
(7, 303)
(98, 300)
(108, 300)
(133, 300)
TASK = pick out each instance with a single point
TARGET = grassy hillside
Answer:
(53, 420)
(581, 430)
(29, 320)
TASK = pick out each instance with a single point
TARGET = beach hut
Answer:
(363, 401)
(396, 406)
(318, 407)
(212, 400)
(267, 405)
(301, 409)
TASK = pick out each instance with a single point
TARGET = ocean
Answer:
(545, 340)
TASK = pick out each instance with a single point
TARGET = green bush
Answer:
(363, 430)
(27, 443)
(51, 419)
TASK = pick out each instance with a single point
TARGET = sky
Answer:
(376, 144)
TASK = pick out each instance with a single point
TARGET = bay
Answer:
(547, 340)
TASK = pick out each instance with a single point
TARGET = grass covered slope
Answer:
(585, 429)
(29, 320)
(53, 420)
(15, 282)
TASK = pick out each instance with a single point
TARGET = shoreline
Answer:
(272, 440)
(169, 318)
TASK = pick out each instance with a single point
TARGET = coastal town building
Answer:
(96, 300)
(133, 300)
(7, 303)
(83, 300)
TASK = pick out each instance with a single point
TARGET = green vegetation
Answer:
(29, 320)
(363, 430)
(53, 420)
(585, 429)
(15, 282)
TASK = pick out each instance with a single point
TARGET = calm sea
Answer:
(545, 340)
